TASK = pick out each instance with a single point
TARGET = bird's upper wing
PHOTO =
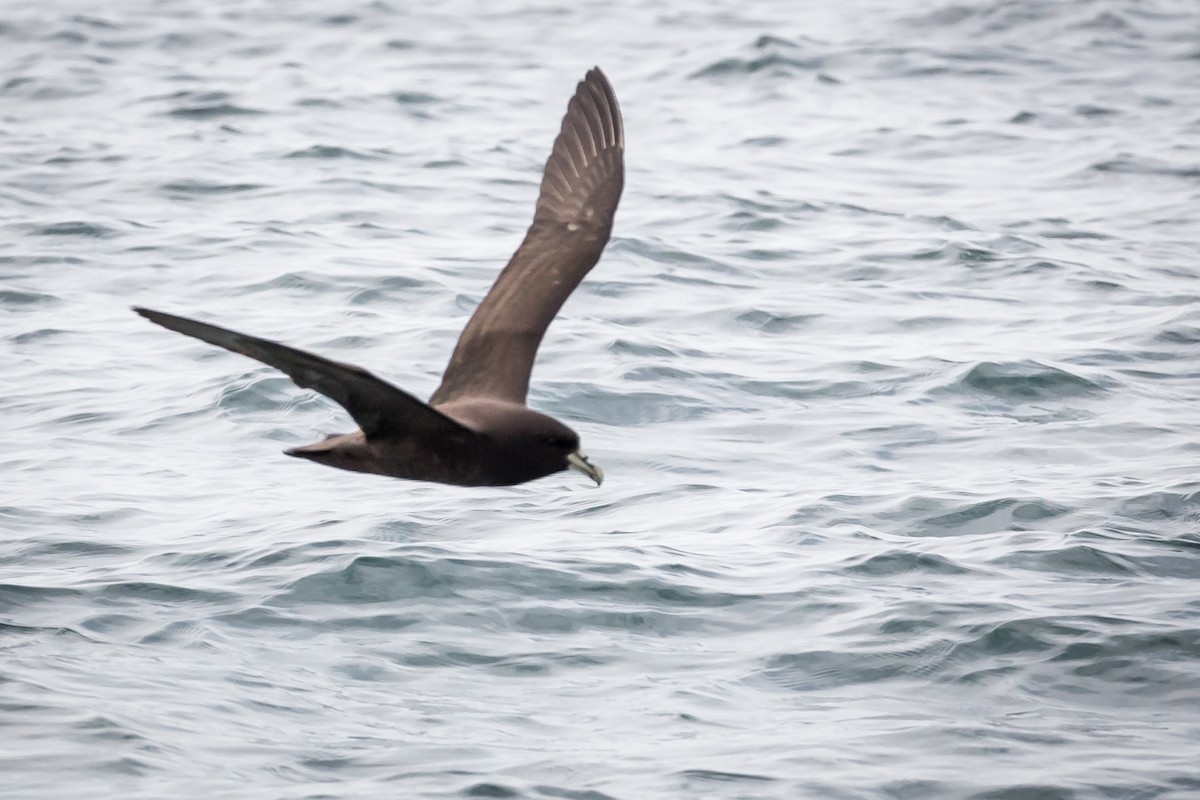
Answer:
(378, 407)
(580, 189)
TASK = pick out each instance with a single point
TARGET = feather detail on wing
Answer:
(580, 189)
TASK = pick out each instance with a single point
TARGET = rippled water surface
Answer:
(893, 365)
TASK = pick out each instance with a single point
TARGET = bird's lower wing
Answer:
(378, 407)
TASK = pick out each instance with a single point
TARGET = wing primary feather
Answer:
(566, 151)
(583, 142)
(587, 128)
(601, 129)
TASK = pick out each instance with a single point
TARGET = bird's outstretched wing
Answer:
(378, 407)
(579, 194)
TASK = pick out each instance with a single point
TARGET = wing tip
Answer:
(606, 103)
(586, 163)
(157, 317)
(171, 322)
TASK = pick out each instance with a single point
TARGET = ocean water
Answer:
(892, 363)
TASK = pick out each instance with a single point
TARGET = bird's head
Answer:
(531, 443)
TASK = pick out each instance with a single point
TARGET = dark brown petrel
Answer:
(476, 429)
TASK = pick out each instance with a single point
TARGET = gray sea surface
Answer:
(893, 364)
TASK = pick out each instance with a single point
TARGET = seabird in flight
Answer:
(476, 429)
